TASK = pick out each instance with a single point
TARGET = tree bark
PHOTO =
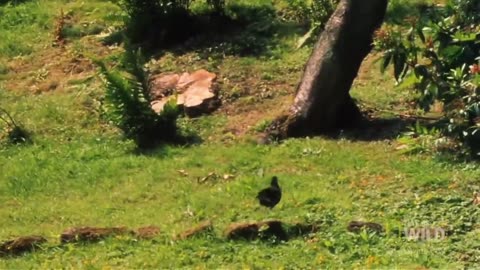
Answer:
(323, 102)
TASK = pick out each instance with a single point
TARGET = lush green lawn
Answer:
(79, 172)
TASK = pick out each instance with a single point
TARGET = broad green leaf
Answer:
(386, 61)
(399, 63)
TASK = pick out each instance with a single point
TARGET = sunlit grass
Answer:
(79, 171)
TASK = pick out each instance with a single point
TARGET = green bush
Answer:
(128, 104)
(154, 21)
(218, 5)
(161, 22)
(314, 13)
(14, 2)
(440, 57)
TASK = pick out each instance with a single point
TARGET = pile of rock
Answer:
(194, 92)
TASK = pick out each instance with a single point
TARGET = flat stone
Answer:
(147, 232)
(194, 92)
(254, 230)
(200, 75)
(21, 245)
(162, 85)
(201, 228)
(91, 234)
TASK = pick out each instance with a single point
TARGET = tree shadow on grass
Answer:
(374, 129)
(380, 129)
(240, 30)
(161, 149)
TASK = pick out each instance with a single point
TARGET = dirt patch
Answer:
(54, 68)
(200, 229)
(21, 245)
(91, 234)
(244, 118)
(365, 71)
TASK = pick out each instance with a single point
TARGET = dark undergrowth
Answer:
(239, 29)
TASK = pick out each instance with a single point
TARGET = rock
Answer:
(254, 230)
(91, 234)
(163, 85)
(157, 105)
(246, 231)
(358, 226)
(187, 80)
(195, 92)
(184, 81)
(21, 245)
(199, 98)
(201, 228)
(147, 232)
(299, 229)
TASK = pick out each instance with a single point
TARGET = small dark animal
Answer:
(269, 197)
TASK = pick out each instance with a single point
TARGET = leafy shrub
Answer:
(258, 28)
(315, 14)
(161, 22)
(15, 134)
(155, 21)
(14, 2)
(218, 5)
(128, 104)
(439, 56)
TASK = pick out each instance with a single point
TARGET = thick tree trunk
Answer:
(323, 102)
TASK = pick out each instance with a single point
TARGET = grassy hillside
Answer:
(80, 172)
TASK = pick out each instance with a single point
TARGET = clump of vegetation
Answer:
(2, 2)
(58, 35)
(314, 13)
(154, 22)
(15, 133)
(161, 22)
(259, 25)
(217, 5)
(128, 103)
(440, 58)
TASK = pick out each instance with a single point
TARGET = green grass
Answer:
(84, 174)
(80, 172)
(29, 27)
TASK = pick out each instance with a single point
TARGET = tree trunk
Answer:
(323, 102)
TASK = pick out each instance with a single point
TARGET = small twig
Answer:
(11, 122)
(418, 117)
(205, 179)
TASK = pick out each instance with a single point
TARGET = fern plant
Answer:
(128, 104)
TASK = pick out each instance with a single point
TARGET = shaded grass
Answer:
(28, 27)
